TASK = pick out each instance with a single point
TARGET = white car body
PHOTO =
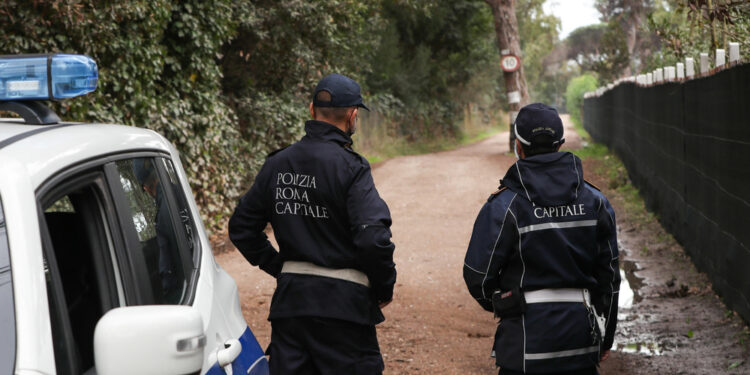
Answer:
(28, 164)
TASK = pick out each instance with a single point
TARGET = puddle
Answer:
(625, 301)
(626, 317)
(648, 348)
(629, 338)
(631, 283)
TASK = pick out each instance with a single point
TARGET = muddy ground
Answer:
(673, 324)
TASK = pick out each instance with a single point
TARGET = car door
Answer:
(120, 231)
(7, 310)
(114, 233)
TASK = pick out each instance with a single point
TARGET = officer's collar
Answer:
(328, 132)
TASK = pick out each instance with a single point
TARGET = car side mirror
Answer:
(149, 340)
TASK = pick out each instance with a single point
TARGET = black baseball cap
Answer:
(345, 92)
(538, 124)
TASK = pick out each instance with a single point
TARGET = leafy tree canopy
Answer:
(228, 81)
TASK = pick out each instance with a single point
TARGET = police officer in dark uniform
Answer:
(543, 256)
(334, 268)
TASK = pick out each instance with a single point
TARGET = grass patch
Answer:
(591, 151)
(469, 139)
(399, 147)
(378, 140)
(743, 336)
(578, 127)
(609, 166)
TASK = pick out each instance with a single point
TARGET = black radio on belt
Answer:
(508, 304)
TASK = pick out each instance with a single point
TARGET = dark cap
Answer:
(538, 124)
(344, 92)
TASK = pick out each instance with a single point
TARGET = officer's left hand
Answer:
(605, 355)
(384, 303)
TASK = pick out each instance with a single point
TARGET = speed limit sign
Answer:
(510, 63)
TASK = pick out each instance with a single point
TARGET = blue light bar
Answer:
(46, 77)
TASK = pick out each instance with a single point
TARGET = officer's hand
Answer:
(384, 303)
(605, 355)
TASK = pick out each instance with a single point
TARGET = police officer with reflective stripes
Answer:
(334, 268)
(543, 256)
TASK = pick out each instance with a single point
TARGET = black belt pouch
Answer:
(509, 303)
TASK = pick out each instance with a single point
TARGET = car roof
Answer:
(43, 150)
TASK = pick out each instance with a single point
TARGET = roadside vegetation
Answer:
(638, 36)
(229, 81)
(378, 139)
(574, 98)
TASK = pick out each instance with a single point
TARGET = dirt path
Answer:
(433, 326)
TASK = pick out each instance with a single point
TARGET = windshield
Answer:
(7, 316)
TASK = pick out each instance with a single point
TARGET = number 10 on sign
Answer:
(510, 63)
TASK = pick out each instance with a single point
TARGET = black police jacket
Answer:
(320, 199)
(547, 228)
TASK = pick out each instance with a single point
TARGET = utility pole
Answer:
(508, 41)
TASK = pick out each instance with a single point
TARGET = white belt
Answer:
(558, 295)
(566, 295)
(307, 268)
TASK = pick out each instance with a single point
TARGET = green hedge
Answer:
(157, 61)
(574, 96)
(229, 81)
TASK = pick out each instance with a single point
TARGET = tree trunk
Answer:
(714, 43)
(506, 29)
(632, 38)
(632, 23)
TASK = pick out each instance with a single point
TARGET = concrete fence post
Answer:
(680, 71)
(720, 57)
(704, 63)
(649, 78)
(669, 73)
(689, 67)
(734, 52)
(658, 75)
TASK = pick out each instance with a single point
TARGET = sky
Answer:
(572, 13)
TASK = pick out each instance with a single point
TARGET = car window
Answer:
(186, 217)
(159, 228)
(7, 315)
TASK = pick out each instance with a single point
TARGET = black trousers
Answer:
(586, 371)
(310, 345)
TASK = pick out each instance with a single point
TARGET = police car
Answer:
(105, 267)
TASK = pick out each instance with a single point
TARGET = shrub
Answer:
(574, 96)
